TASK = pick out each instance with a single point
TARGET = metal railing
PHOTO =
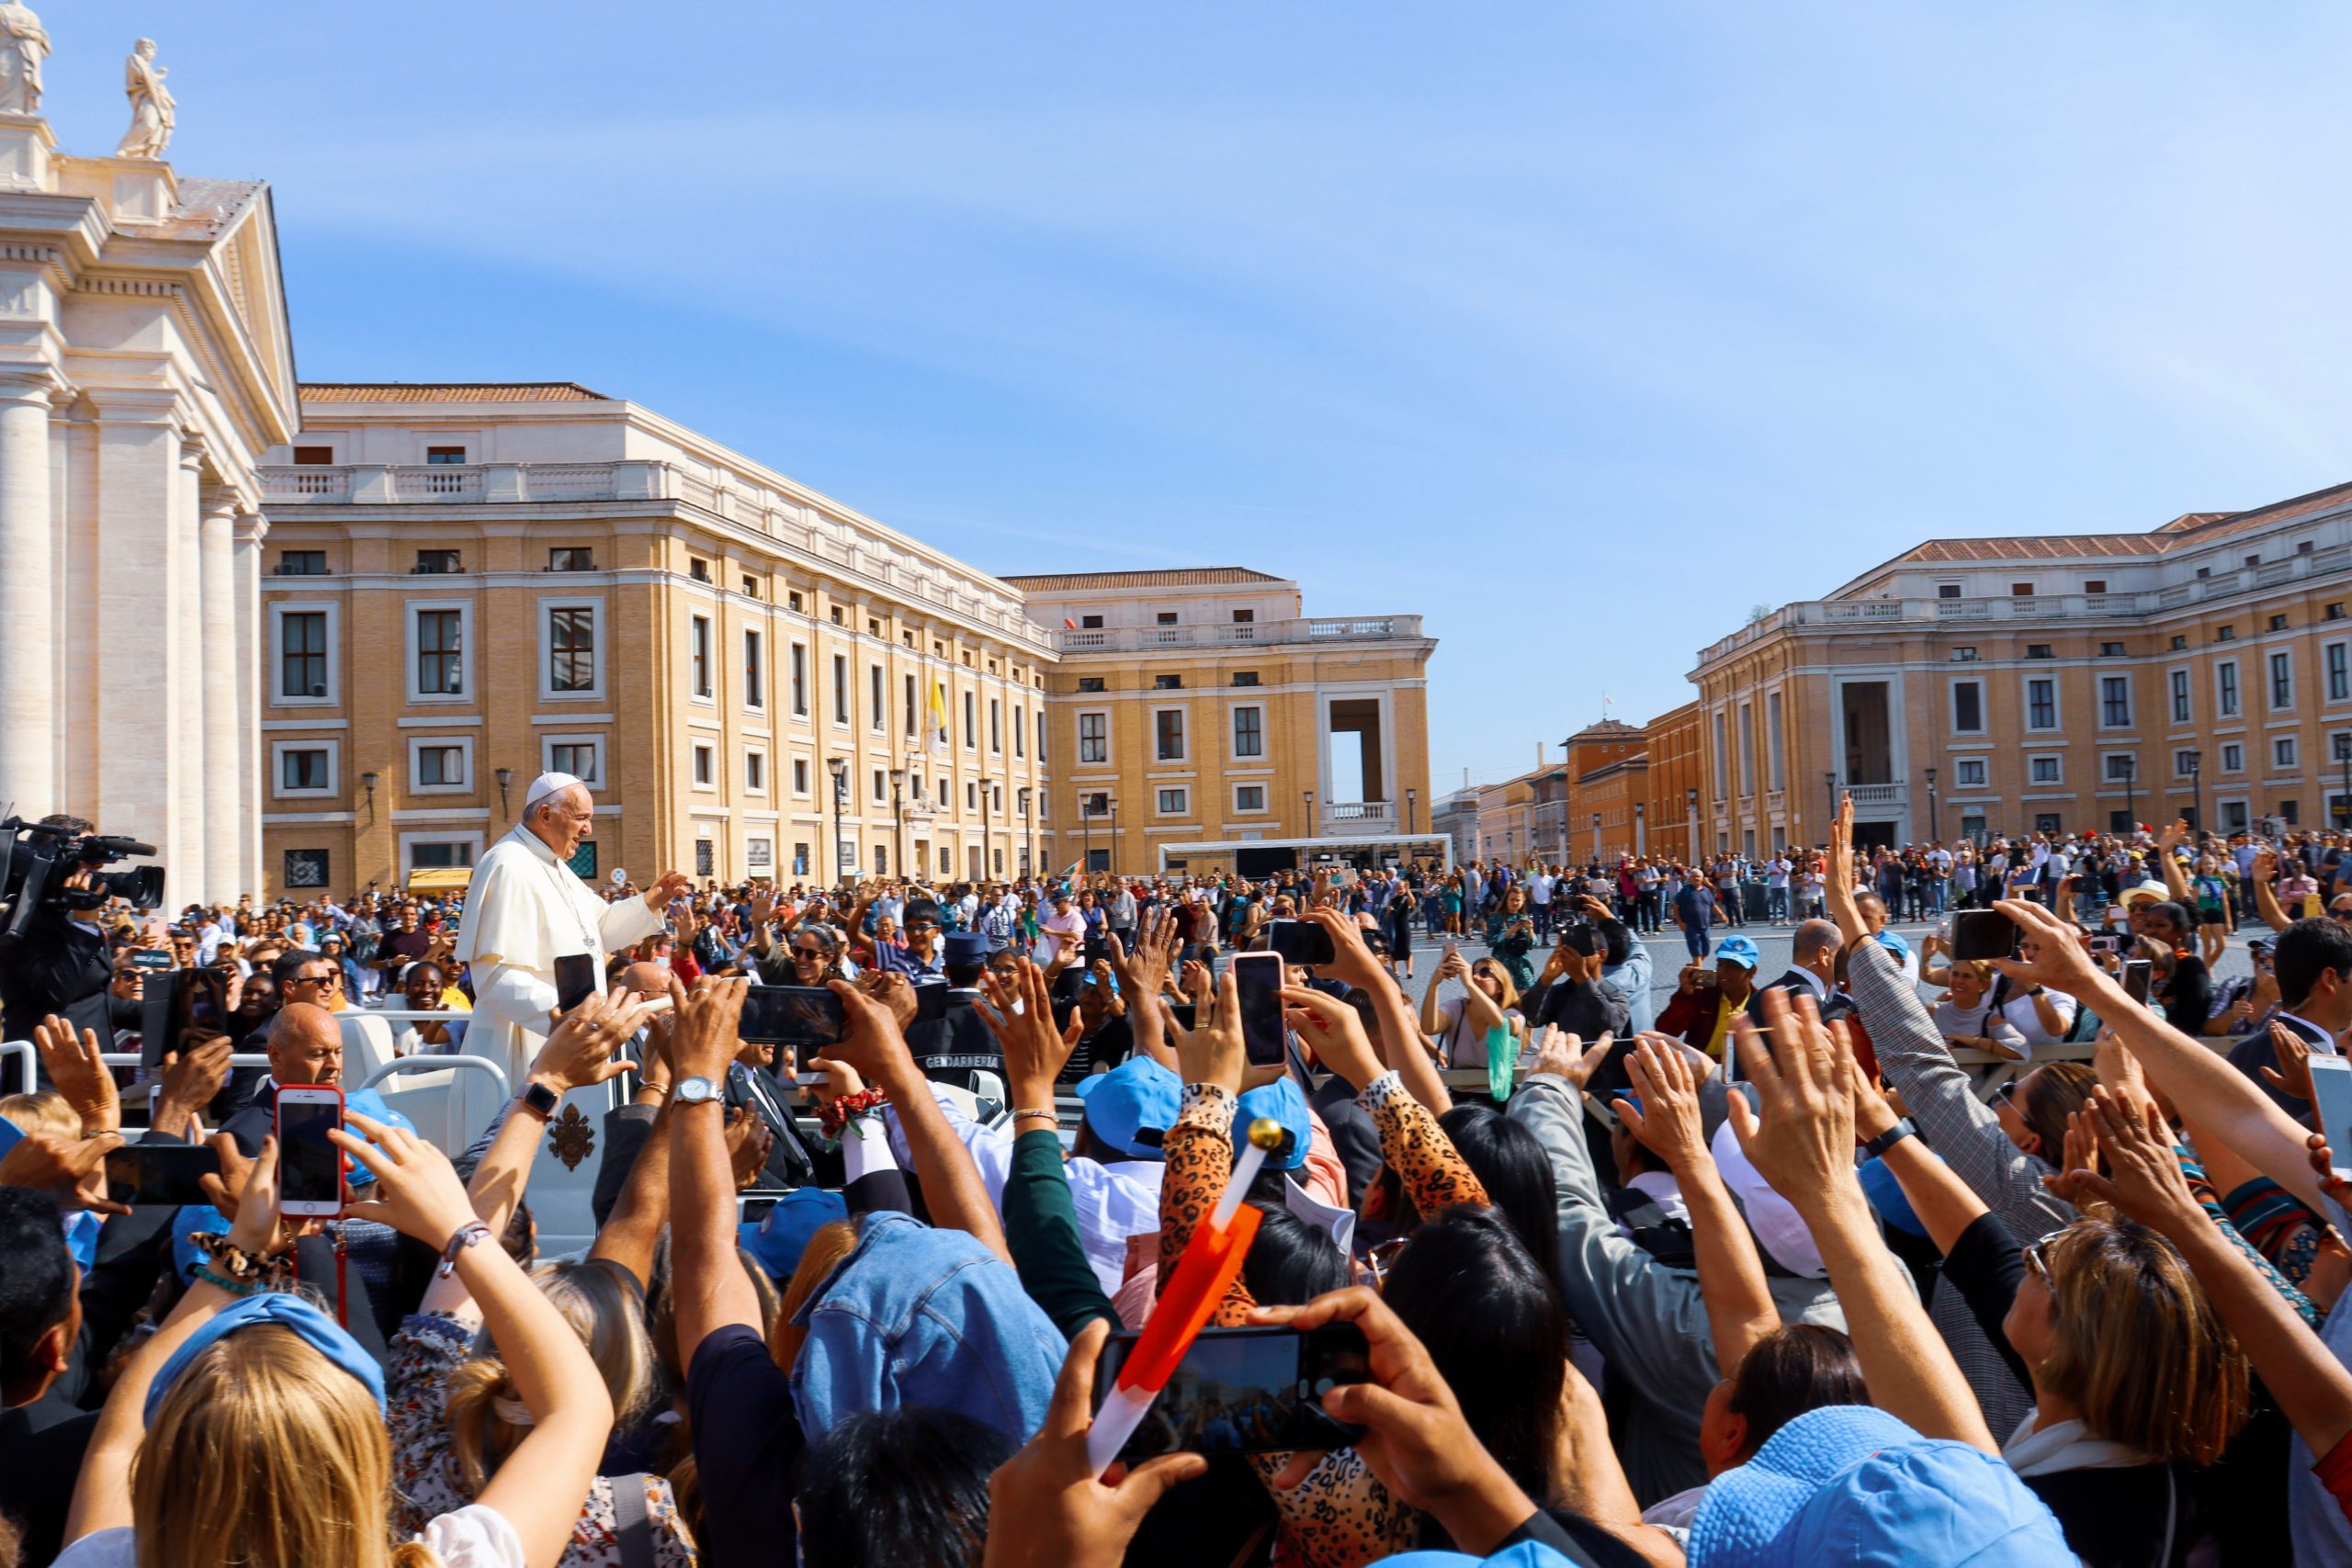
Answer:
(422, 1064)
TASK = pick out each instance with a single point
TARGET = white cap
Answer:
(545, 785)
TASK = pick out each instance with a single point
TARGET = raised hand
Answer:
(703, 1040)
(749, 1139)
(584, 1046)
(1213, 1051)
(190, 1080)
(1333, 1032)
(1352, 960)
(2053, 949)
(1035, 1051)
(1564, 1055)
(871, 1040)
(73, 1171)
(416, 1192)
(2144, 1181)
(1667, 1124)
(1802, 1140)
(71, 1060)
(2293, 1074)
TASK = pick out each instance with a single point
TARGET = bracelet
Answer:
(469, 1233)
(647, 1086)
(227, 1257)
(234, 1287)
(834, 1117)
(1888, 1139)
(1049, 1114)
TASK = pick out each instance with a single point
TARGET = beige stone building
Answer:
(469, 585)
(1200, 718)
(2065, 682)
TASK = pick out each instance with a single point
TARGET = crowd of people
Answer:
(1897, 1257)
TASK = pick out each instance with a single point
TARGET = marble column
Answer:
(224, 800)
(252, 777)
(138, 682)
(188, 650)
(27, 637)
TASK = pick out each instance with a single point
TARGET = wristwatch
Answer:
(1888, 1139)
(695, 1092)
(539, 1099)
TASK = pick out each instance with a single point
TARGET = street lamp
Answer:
(1411, 796)
(839, 768)
(1308, 796)
(1691, 849)
(981, 874)
(1830, 782)
(2343, 755)
(1113, 867)
(368, 781)
(1595, 836)
(1029, 821)
(2197, 788)
(2131, 811)
(898, 811)
(1934, 828)
(505, 778)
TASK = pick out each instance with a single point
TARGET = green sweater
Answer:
(1041, 1231)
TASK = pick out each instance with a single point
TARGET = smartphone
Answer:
(791, 1015)
(1245, 1391)
(162, 1173)
(575, 980)
(1982, 933)
(1304, 942)
(176, 1003)
(2107, 941)
(1258, 977)
(2135, 980)
(2331, 1094)
(151, 958)
(1187, 1015)
(309, 1169)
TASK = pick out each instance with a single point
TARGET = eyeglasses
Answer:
(2007, 1093)
(2036, 1257)
(327, 979)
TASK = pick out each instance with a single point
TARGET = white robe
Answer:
(523, 910)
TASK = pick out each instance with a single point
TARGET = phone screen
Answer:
(791, 1015)
(309, 1169)
(2332, 1093)
(1257, 979)
(1244, 1391)
(575, 980)
(2135, 980)
(1982, 933)
(161, 1174)
(1303, 943)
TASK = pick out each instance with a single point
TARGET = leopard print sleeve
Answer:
(1340, 1515)
(1199, 1151)
(1436, 1177)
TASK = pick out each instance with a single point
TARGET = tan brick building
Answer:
(1203, 708)
(2063, 682)
(1675, 779)
(467, 585)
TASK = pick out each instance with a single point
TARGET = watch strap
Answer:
(1888, 1139)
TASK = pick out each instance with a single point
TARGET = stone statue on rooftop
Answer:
(150, 105)
(23, 46)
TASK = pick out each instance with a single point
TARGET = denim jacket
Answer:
(917, 1316)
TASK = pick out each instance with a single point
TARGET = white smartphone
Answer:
(2331, 1094)
(310, 1166)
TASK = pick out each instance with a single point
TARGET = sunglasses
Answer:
(809, 952)
(2037, 1259)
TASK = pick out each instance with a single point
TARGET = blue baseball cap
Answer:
(1132, 1106)
(966, 947)
(315, 1327)
(1849, 1483)
(778, 1239)
(1526, 1554)
(1284, 1102)
(1740, 951)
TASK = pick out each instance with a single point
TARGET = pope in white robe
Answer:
(527, 907)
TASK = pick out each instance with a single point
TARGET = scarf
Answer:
(2067, 1445)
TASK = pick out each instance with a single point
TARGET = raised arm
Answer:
(1352, 963)
(707, 1283)
(2265, 877)
(1143, 976)
(1803, 1143)
(2175, 880)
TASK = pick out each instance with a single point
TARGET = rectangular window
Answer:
(1244, 677)
(1250, 798)
(2042, 704)
(2225, 686)
(2282, 752)
(1963, 655)
(1746, 749)
(801, 776)
(303, 770)
(2119, 768)
(1249, 732)
(445, 455)
(759, 855)
(2339, 671)
(2180, 708)
(440, 765)
(2037, 650)
(437, 563)
(2115, 701)
(1090, 623)
(698, 568)
(1947, 590)
(698, 653)
(2110, 650)
(1094, 738)
(2282, 682)
(571, 648)
(755, 771)
(447, 855)
(755, 690)
(1971, 771)
(578, 758)
(1172, 803)
(2278, 623)
(302, 653)
(1168, 732)
(572, 558)
(2184, 762)
(913, 722)
(1773, 758)
(314, 456)
(1168, 682)
(878, 712)
(800, 858)
(706, 766)
(996, 725)
(1968, 708)
(840, 688)
(1166, 618)
(301, 563)
(799, 681)
(306, 868)
(971, 723)
(1020, 731)
(1089, 683)
(2021, 590)
(2234, 758)
(2045, 771)
(1041, 736)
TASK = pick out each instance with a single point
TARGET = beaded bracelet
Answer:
(234, 1287)
(834, 1117)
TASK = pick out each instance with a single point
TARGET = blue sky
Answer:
(1578, 329)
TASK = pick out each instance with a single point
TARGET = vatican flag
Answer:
(939, 709)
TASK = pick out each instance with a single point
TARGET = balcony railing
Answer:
(1360, 816)
(2040, 609)
(1246, 633)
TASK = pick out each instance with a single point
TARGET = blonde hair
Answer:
(602, 1311)
(2138, 1347)
(827, 1247)
(266, 1454)
(43, 1112)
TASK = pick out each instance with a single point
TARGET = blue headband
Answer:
(315, 1327)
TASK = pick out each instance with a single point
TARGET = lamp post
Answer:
(1308, 796)
(1412, 796)
(1595, 836)
(839, 768)
(367, 782)
(506, 780)
(1691, 849)
(1934, 827)
(1641, 835)
(2197, 791)
(2343, 755)
(1830, 782)
(983, 871)
(1086, 824)
(2131, 810)
(898, 812)
(1113, 867)
(1029, 822)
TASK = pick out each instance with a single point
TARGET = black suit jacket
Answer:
(2254, 1053)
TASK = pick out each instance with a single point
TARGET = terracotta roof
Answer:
(449, 392)
(1607, 730)
(1179, 576)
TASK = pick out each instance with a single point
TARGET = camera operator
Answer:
(60, 964)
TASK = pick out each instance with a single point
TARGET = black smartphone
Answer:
(1187, 1015)
(1245, 1391)
(174, 1004)
(1257, 979)
(162, 1173)
(791, 1015)
(575, 980)
(1303, 943)
(2135, 980)
(931, 1000)
(1982, 933)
